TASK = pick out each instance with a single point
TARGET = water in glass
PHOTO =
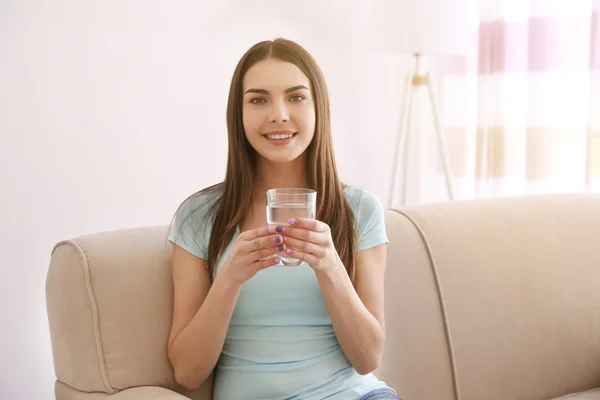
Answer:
(283, 204)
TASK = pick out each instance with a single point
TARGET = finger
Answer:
(266, 263)
(309, 223)
(311, 259)
(266, 253)
(306, 235)
(259, 232)
(269, 256)
(263, 243)
(304, 246)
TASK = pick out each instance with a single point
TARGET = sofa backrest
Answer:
(487, 299)
(494, 299)
(109, 302)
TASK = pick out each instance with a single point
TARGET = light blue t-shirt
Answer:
(280, 343)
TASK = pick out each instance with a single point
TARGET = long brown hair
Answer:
(237, 188)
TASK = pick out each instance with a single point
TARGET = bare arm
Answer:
(201, 311)
(201, 316)
(357, 315)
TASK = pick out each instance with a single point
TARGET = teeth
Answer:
(286, 136)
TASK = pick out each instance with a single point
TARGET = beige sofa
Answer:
(493, 299)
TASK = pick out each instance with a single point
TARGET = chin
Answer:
(280, 157)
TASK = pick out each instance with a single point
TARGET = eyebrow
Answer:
(288, 90)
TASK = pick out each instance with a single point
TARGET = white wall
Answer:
(111, 112)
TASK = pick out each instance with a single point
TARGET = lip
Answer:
(279, 133)
(280, 142)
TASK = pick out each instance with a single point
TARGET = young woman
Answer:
(313, 331)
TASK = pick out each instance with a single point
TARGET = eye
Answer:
(297, 98)
(258, 100)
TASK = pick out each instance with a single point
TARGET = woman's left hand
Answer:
(310, 240)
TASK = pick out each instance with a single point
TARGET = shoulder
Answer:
(199, 205)
(192, 223)
(362, 201)
(369, 217)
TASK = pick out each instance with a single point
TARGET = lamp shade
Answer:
(438, 27)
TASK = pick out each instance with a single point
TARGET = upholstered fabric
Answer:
(109, 299)
(494, 299)
(489, 299)
(587, 395)
(136, 393)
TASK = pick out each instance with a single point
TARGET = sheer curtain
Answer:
(522, 115)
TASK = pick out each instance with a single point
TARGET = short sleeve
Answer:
(371, 222)
(192, 225)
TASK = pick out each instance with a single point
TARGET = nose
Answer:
(279, 112)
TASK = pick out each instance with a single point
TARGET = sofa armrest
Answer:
(65, 392)
(147, 393)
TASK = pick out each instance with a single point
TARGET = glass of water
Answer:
(286, 203)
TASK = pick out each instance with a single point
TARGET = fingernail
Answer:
(280, 247)
(277, 239)
(283, 237)
(288, 251)
(280, 228)
(276, 260)
(292, 221)
(271, 229)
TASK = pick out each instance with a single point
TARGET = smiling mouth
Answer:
(279, 136)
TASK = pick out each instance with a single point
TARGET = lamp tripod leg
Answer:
(401, 137)
(406, 154)
(441, 143)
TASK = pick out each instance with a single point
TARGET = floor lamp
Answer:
(415, 81)
(417, 28)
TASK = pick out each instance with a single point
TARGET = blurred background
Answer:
(112, 112)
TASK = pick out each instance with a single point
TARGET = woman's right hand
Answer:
(253, 251)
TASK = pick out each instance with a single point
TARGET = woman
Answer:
(309, 332)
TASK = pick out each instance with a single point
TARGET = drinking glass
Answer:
(286, 203)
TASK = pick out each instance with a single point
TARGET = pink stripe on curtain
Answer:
(498, 43)
(534, 45)
(525, 46)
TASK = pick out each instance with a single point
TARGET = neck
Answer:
(271, 175)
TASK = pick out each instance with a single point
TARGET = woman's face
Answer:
(278, 110)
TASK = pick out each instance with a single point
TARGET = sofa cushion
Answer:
(587, 395)
(519, 286)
